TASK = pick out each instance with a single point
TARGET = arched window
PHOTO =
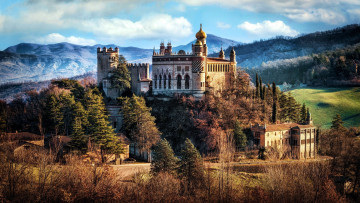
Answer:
(179, 82)
(169, 81)
(164, 81)
(187, 81)
(155, 81)
(159, 81)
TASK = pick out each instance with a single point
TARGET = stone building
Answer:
(298, 140)
(191, 73)
(107, 60)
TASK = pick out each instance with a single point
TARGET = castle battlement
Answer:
(108, 50)
(138, 65)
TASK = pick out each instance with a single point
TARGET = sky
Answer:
(145, 23)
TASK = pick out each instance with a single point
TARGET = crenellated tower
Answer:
(140, 77)
(107, 59)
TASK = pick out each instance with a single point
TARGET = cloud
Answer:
(327, 11)
(268, 29)
(58, 38)
(315, 15)
(223, 25)
(150, 27)
(2, 22)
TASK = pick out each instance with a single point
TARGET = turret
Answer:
(162, 48)
(169, 48)
(98, 50)
(198, 48)
(232, 55)
(222, 54)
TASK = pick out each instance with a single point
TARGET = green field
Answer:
(324, 103)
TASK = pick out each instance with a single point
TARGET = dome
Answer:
(181, 52)
(198, 42)
(201, 34)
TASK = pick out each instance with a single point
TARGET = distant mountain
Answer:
(213, 42)
(254, 54)
(34, 62)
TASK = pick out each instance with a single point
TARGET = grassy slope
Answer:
(324, 103)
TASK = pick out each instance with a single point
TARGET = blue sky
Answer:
(144, 23)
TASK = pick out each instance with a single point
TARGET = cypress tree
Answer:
(274, 112)
(257, 86)
(264, 93)
(337, 123)
(164, 159)
(260, 88)
(303, 114)
(274, 92)
(191, 166)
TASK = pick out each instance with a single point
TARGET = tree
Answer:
(79, 138)
(100, 130)
(239, 135)
(274, 91)
(191, 166)
(303, 114)
(138, 123)
(120, 76)
(164, 158)
(54, 114)
(261, 88)
(274, 112)
(337, 123)
(257, 86)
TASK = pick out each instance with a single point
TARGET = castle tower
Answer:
(107, 59)
(199, 63)
(233, 55)
(201, 36)
(222, 54)
(162, 48)
(168, 48)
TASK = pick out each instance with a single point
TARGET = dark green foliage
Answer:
(74, 86)
(138, 123)
(54, 114)
(164, 159)
(274, 112)
(290, 109)
(120, 76)
(257, 86)
(303, 114)
(191, 166)
(337, 123)
(274, 91)
(261, 88)
(100, 130)
(80, 123)
(239, 136)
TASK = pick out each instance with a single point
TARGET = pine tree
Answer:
(100, 130)
(120, 76)
(293, 109)
(257, 86)
(191, 166)
(239, 135)
(303, 114)
(164, 159)
(139, 124)
(54, 114)
(274, 92)
(79, 138)
(337, 123)
(66, 102)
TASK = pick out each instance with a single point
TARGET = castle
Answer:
(191, 73)
(172, 73)
(107, 60)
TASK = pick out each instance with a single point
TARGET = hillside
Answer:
(254, 54)
(325, 103)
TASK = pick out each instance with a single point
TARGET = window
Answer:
(114, 124)
(302, 141)
(257, 134)
(169, 81)
(159, 81)
(267, 143)
(186, 68)
(187, 82)
(164, 81)
(155, 82)
(179, 68)
(179, 82)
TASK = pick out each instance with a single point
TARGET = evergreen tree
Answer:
(54, 114)
(337, 123)
(66, 102)
(303, 114)
(100, 130)
(307, 114)
(261, 88)
(274, 92)
(164, 159)
(274, 112)
(191, 166)
(264, 93)
(239, 135)
(79, 138)
(293, 109)
(257, 86)
(138, 123)
(120, 76)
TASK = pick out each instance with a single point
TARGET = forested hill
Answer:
(254, 54)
